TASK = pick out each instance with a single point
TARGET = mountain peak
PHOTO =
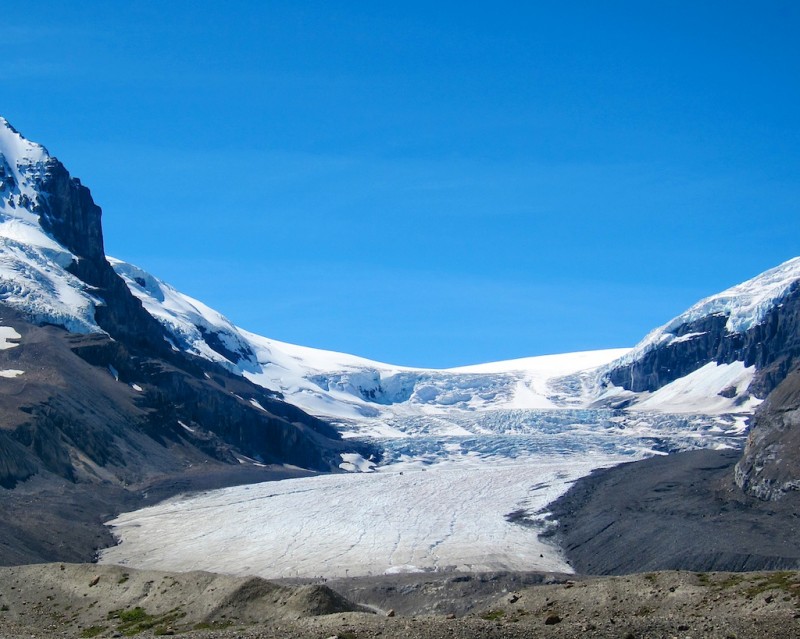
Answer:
(14, 145)
(53, 267)
(743, 306)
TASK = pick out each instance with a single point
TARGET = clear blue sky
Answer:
(426, 185)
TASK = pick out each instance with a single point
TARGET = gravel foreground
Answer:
(87, 600)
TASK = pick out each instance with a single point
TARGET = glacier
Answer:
(471, 455)
(466, 492)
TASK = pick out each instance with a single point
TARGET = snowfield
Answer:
(7, 333)
(452, 515)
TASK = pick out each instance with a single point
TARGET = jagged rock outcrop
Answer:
(770, 465)
(68, 213)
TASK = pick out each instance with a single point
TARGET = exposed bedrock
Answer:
(773, 346)
(770, 465)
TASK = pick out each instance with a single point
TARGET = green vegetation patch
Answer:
(93, 631)
(785, 581)
(136, 620)
(493, 615)
(728, 582)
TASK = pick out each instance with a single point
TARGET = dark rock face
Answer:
(88, 408)
(68, 212)
(770, 465)
(773, 346)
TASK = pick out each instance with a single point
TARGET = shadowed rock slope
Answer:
(770, 466)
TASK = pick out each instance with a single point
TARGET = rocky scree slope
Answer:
(770, 466)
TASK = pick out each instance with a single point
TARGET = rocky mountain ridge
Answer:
(93, 393)
(756, 322)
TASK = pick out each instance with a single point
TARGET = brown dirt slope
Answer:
(110, 601)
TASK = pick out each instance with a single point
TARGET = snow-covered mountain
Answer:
(33, 265)
(346, 387)
(145, 382)
(732, 348)
(712, 359)
(722, 355)
(61, 415)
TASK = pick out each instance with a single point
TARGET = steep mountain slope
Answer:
(93, 396)
(751, 330)
(770, 466)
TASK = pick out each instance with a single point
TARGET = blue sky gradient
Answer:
(429, 186)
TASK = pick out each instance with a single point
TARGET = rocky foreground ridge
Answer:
(108, 601)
